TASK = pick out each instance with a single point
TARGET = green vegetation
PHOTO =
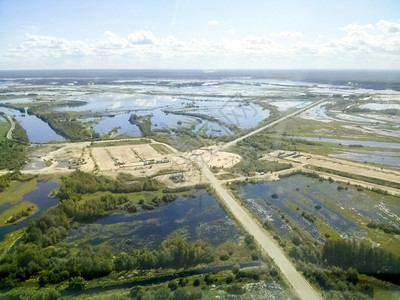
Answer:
(182, 139)
(13, 152)
(203, 117)
(361, 256)
(17, 212)
(64, 123)
(335, 280)
(4, 128)
(377, 181)
(32, 257)
(387, 228)
(43, 258)
(326, 231)
(14, 185)
(143, 122)
(175, 252)
(251, 151)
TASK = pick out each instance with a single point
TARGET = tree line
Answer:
(361, 256)
(13, 152)
(33, 256)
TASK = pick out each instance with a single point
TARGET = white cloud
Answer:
(213, 22)
(142, 37)
(286, 34)
(379, 44)
(389, 27)
(232, 31)
(355, 27)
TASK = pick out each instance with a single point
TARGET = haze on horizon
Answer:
(206, 34)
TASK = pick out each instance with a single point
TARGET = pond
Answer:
(35, 164)
(310, 194)
(17, 100)
(116, 102)
(354, 142)
(212, 128)
(37, 130)
(40, 197)
(119, 121)
(317, 113)
(199, 217)
(232, 112)
(285, 105)
(377, 157)
(160, 119)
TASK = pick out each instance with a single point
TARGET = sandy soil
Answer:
(224, 159)
(110, 160)
(338, 165)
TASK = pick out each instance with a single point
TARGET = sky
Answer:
(199, 34)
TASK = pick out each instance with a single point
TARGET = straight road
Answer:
(299, 284)
(227, 145)
(9, 133)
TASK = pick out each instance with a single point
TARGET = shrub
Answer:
(224, 257)
(236, 268)
(254, 256)
(172, 285)
(196, 282)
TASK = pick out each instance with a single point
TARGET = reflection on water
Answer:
(354, 142)
(285, 105)
(160, 119)
(377, 157)
(18, 100)
(199, 217)
(212, 128)
(35, 165)
(37, 130)
(121, 122)
(41, 198)
(306, 194)
(114, 102)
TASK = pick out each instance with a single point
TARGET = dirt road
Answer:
(9, 133)
(299, 284)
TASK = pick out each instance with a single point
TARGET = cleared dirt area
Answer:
(136, 159)
(127, 156)
(140, 160)
(336, 164)
(224, 159)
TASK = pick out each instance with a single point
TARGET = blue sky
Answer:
(201, 34)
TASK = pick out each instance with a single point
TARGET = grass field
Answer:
(4, 127)
(16, 209)
(9, 241)
(16, 191)
(389, 242)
